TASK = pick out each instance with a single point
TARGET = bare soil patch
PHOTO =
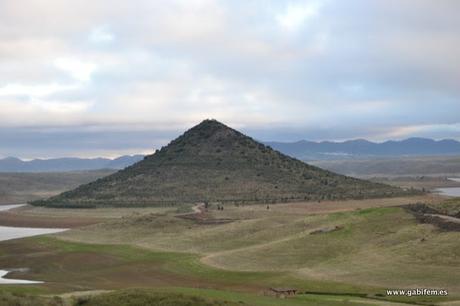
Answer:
(16, 220)
(200, 215)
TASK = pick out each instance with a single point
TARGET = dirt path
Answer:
(208, 259)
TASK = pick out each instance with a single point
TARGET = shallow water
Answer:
(8, 232)
(8, 207)
(450, 191)
(14, 281)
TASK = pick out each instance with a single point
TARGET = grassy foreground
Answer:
(177, 296)
(73, 267)
(367, 251)
(380, 247)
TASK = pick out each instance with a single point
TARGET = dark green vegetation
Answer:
(23, 187)
(212, 162)
(145, 297)
(445, 216)
(130, 297)
(450, 207)
(8, 298)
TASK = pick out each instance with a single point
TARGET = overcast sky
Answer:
(110, 77)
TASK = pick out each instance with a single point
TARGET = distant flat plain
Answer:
(18, 188)
(437, 166)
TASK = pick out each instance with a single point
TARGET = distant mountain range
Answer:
(12, 164)
(304, 150)
(309, 150)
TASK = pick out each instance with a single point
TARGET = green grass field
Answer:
(386, 241)
(73, 267)
(366, 252)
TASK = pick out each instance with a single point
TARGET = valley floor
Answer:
(333, 253)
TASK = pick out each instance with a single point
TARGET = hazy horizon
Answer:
(147, 151)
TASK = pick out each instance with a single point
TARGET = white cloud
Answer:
(101, 34)
(296, 15)
(60, 107)
(42, 112)
(78, 69)
(34, 90)
(433, 130)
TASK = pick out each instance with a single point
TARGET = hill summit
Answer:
(213, 162)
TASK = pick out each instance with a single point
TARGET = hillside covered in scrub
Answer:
(214, 163)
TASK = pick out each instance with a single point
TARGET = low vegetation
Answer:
(450, 207)
(146, 297)
(8, 298)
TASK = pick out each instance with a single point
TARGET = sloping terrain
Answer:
(384, 247)
(212, 162)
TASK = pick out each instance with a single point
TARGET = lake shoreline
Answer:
(4, 280)
(450, 191)
(11, 233)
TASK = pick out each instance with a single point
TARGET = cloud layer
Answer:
(124, 76)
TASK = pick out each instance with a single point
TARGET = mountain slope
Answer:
(326, 149)
(212, 162)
